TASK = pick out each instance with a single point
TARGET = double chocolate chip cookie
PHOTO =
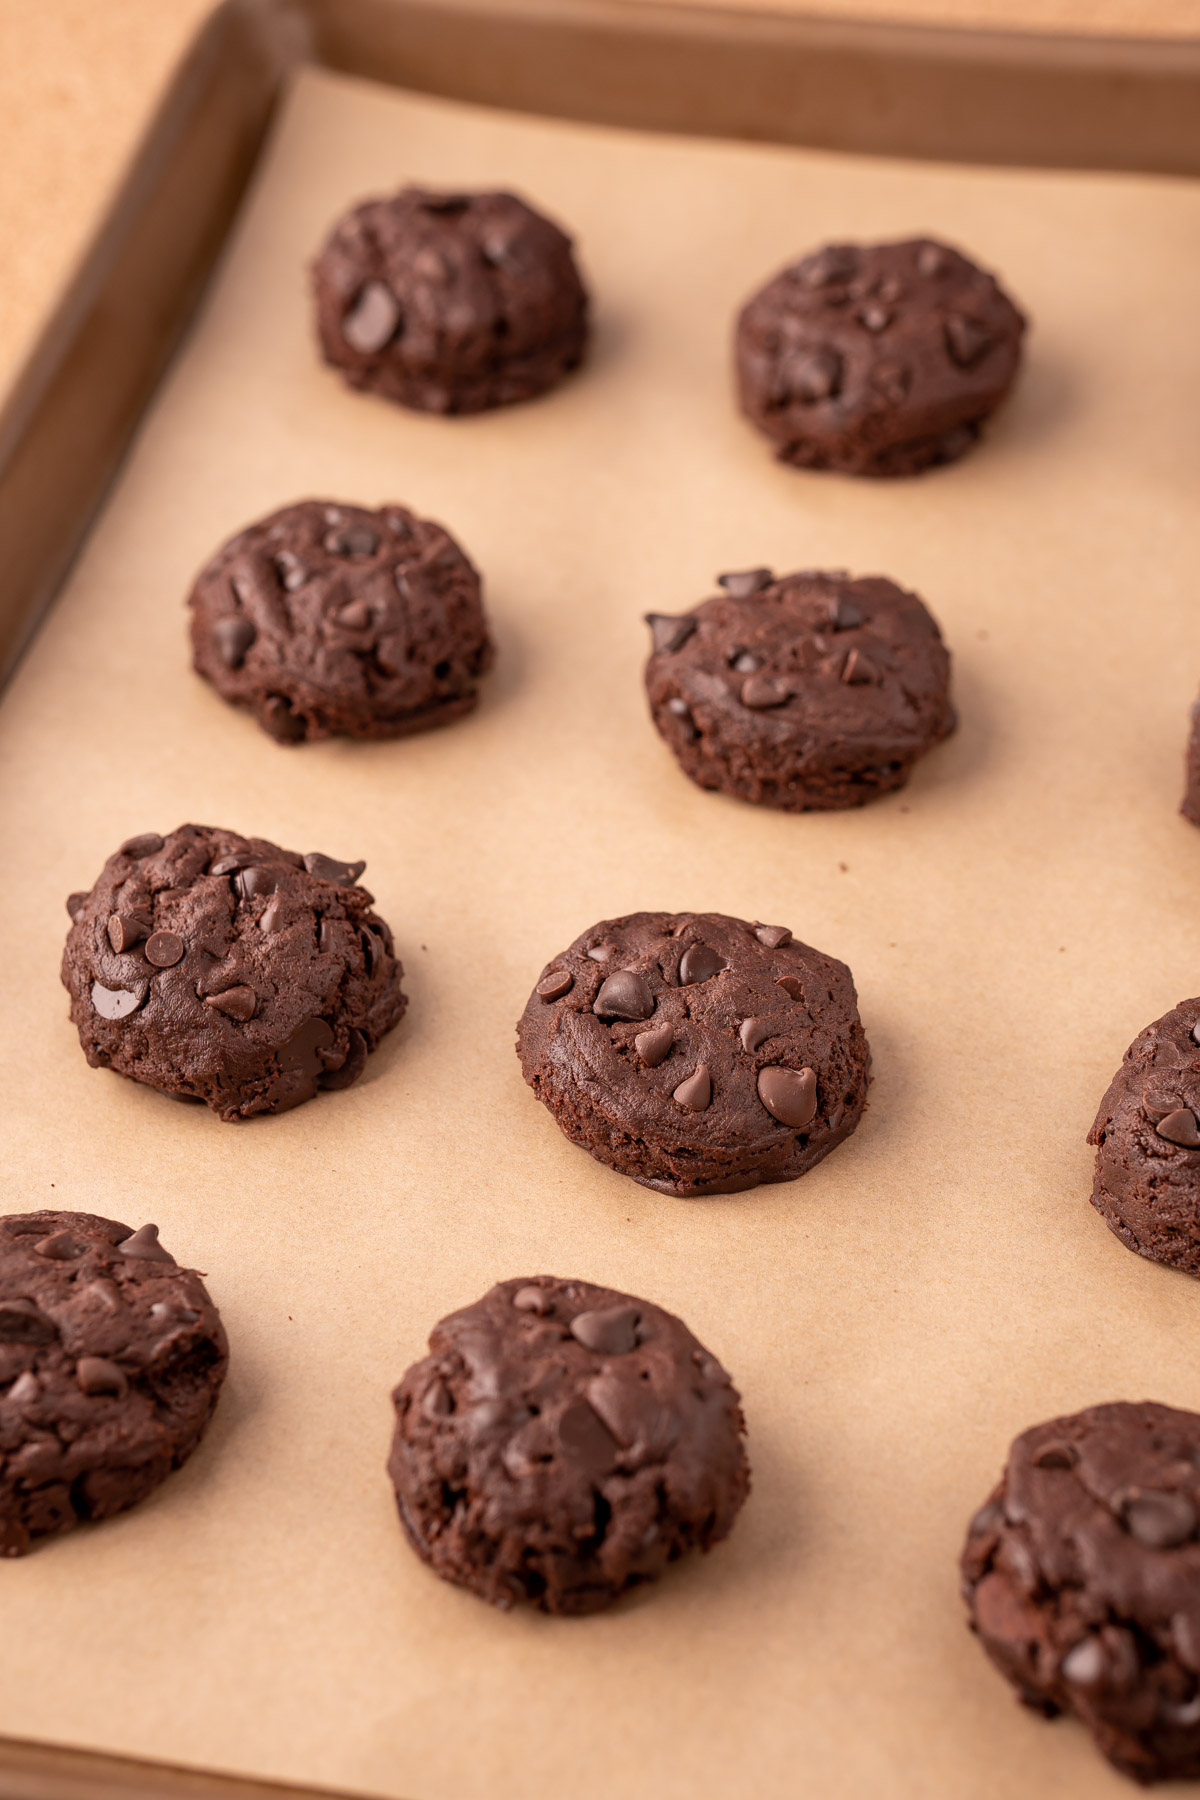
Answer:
(221, 968)
(563, 1442)
(807, 691)
(324, 618)
(449, 303)
(697, 1053)
(1147, 1137)
(111, 1360)
(1082, 1576)
(876, 359)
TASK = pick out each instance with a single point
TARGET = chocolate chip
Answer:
(791, 985)
(966, 340)
(1159, 1518)
(1180, 1128)
(695, 1094)
(741, 583)
(755, 1032)
(812, 375)
(744, 661)
(352, 1068)
(669, 632)
(655, 1046)
(60, 1246)
(116, 1003)
(760, 692)
(355, 617)
(96, 1375)
(789, 1095)
(21, 1322)
(875, 317)
(144, 1243)
(1085, 1663)
(600, 952)
(272, 915)
(252, 883)
(76, 903)
(25, 1389)
(699, 963)
(372, 320)
(437, 1402)
(891, 381)
(554, 985)
(164, 949)
(844, 615)
(624, 995)
(236, 1002)
(228, 865)
(533, 1300)
(858, 670)
(835, 263)
(233, 637)
(292, 572)
(1195, 1027)
(285, 726)
(325, 868)
(584, 1437)
(611, 1330)
(443, 203)
(989, 1518)
(125, 930)
(1055, 1456)
(303, 1048)
(146, 845)
(932, 260)
(352, 540)
(680, 709)
(773, 936)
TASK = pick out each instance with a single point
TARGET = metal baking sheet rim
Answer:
(859, 86)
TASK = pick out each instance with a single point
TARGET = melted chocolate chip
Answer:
(352, 1068)
(144, 1244)
(116, 1003)
(557, 983)
(372, 320)
(792, 986)
(773, 936)
(236, 1002)
(699, 963)
(755, 1032)
(1180, 1128)
(232, 638)
(612, 1331)
(96, 1376)
(789, 1095)
(670, 632)
(655, 1046)
(585, 1438)
(326, 868)
(624, 995)
(60, 1246)
(695, 1094)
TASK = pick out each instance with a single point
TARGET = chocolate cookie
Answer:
(325, 618)
(697, 1053)
(1191, 797)
(563, 1442)
(1147, 1133)
(221, 968)
(111, 1360)
(1082, 1575)
(449, 303)
(876, 359)
(807, 691)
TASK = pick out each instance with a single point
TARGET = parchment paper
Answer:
(1012, 920)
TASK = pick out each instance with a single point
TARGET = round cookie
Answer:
(324, 618)
(806, 692)
(449, 303)
(1082, 1577)
(563, 1442)
(221, 968)
(876, 359)
(111, 1360)
(697, 1053)
(1147, 1132)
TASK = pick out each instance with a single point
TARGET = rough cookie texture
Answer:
(224, 969)
(1147, 1133)
(1191, 796)
(806, 691)
(449, 303)
(876, 359)
(324, 618)
(697, 1053)
(1082, 1576)
(563, 1442)
(111, 1360)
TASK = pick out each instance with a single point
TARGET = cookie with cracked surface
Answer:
(111, 1361)
(562, 1443)
(806, 692)
(221, 968)
(876, 359)
(326, 618)
(697, 1053)
(449, 303)
(1147, 1136)
(1082, 1577)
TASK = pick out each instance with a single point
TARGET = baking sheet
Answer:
(1012, 920)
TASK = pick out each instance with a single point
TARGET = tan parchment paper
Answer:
(1012, 920)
